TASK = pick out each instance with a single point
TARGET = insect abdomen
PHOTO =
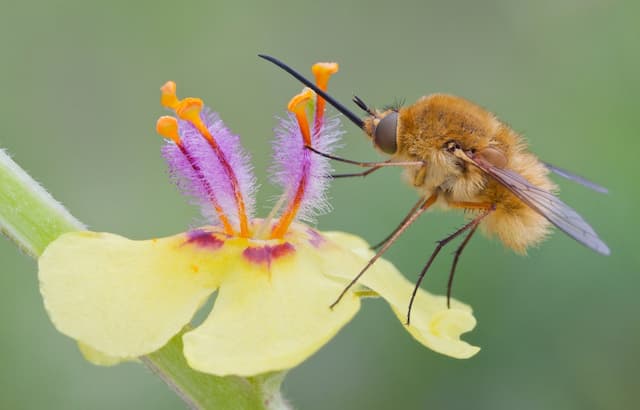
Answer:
(516, 224)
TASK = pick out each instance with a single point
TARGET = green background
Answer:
(558, 328)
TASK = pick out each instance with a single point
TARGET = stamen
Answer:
(168, 97)
(322, 72)
(297, 107)
(167, 127)
(266, 223)
(285, 221)
(189, 109)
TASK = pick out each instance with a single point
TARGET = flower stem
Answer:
(32, 218)
(211, 392)
(269, 386)
(28, 213)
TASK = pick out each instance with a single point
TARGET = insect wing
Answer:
(576, 178)
(547, 205)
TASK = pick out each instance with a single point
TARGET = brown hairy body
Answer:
(425, 127)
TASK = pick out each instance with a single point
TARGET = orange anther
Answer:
(297, 106)
(168, 128)
(188, 109)
(298, 101)
(322, 72)
(168, 97)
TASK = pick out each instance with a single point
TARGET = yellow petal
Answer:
(265, 321)
(96, 357)
(120, 297)
(432, 323)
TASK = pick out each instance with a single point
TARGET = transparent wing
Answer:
(576, 178)
(547, 205)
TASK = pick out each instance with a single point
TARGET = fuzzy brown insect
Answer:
(460, 156)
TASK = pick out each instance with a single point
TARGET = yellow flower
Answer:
(275, 278)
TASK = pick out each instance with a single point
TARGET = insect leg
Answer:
(424, 205)
(441, 243)
(458, 252)
(455, 262)
(387, 163)
(406, 218)
(357, 174)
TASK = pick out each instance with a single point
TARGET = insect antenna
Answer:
(397, 104)
(338, 106)
(473, 224)
(410, 219)
(358, 101)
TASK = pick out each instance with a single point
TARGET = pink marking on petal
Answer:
(264, 255)
(315, 239)
(204, 239)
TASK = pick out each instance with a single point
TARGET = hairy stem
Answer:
(29, 215)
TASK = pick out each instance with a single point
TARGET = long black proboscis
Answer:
(344, 110)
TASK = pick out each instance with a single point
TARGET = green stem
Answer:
(32, 219)
(28, 214)
(212, 392)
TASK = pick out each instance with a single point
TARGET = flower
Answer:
(275, 278)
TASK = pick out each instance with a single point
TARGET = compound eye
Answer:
(386, 133)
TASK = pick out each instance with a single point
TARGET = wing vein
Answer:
(546, 204)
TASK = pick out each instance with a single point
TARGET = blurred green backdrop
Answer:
(559, 328)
